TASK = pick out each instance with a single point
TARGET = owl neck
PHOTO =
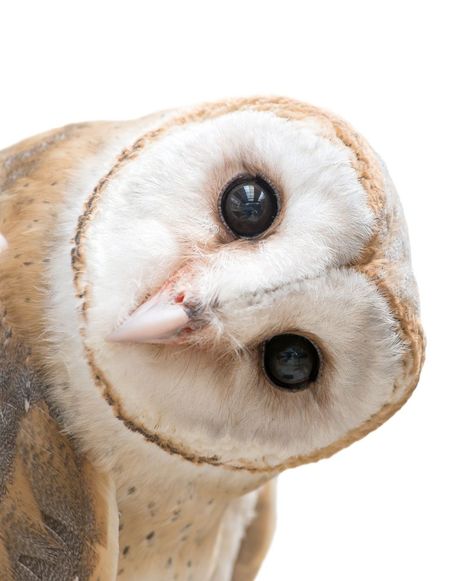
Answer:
(173, 518)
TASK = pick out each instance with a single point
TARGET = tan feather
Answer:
(58, 512)
(33, 177)
(58, 516)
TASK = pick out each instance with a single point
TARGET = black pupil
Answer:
(249, 206)
(291, 361)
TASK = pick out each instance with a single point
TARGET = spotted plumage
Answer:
(57, 513)
(146, 268)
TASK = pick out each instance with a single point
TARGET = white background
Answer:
(399, 504)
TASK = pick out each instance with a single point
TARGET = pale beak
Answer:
(158, 320)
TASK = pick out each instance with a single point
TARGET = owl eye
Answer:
(291, 362)
(249, 206)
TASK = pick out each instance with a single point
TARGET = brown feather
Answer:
(33, 178)
(57, 517)
(58, 514)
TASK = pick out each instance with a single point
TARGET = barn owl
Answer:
(191, 303)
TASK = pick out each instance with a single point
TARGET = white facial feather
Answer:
(158, 213)
(153, 319)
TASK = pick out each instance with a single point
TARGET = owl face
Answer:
(215, 294)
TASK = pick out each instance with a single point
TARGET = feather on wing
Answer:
(58, 518)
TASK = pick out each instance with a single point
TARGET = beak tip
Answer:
(158, 324)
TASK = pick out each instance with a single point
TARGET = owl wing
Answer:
(58, 517)
(258, 536)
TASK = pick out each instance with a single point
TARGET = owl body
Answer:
(187, 427)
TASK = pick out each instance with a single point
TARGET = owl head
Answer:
(230, 284)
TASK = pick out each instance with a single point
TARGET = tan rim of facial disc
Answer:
(370, 264)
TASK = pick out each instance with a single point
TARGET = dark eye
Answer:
(248, 206)
(291, 362)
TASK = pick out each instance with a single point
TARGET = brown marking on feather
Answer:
(57, 520)
(370, 175)
(45, 167)
(43, 162)
(5, 565)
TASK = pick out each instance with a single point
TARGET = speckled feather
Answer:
(37, 177)
(56, 515)
(78, 537)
